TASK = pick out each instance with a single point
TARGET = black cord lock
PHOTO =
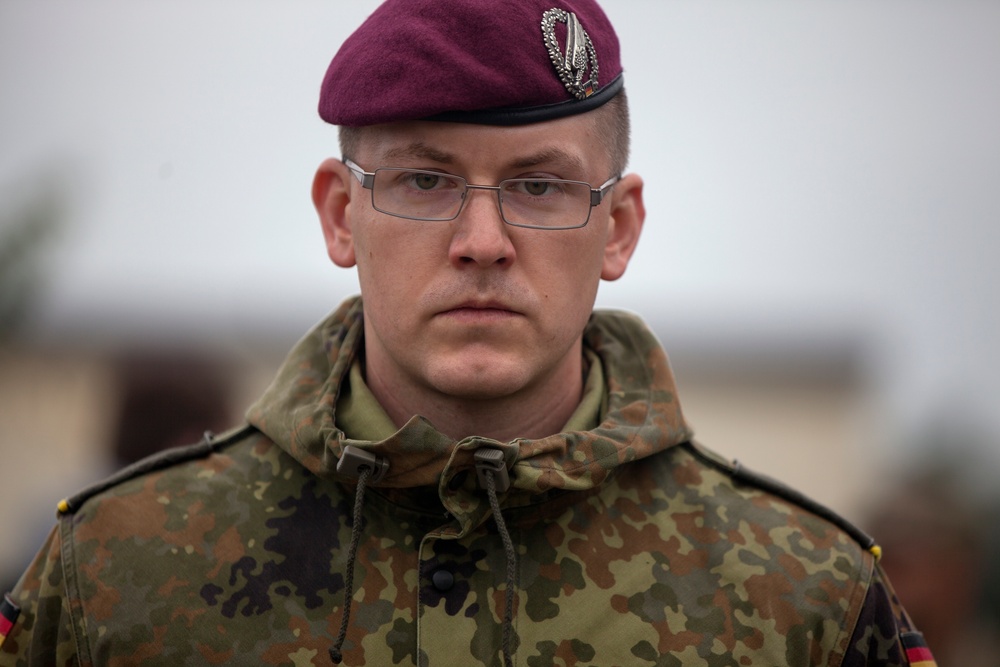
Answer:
(354, 459)
(489, 459)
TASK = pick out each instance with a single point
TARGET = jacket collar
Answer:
(643, 415)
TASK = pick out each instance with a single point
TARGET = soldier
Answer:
(465, 465)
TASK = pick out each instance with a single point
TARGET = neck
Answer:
(533, 412)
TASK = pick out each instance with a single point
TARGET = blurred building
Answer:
(71, 415)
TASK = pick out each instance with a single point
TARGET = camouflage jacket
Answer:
(631, 545)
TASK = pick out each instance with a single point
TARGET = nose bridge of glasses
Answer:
(494, 188)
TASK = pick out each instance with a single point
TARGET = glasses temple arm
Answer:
(597, 194)
(365, 178)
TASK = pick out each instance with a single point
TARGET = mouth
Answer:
(480, 311)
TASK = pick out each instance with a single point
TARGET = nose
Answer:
(480, 236)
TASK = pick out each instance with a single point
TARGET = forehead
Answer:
(570, 143)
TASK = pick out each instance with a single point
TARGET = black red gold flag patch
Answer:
(8, 617)
(917, 653)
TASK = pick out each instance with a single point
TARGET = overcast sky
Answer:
(814, 169)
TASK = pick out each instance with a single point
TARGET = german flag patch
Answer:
(8, 617)
(917, 653)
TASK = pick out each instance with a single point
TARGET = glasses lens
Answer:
(548, 203)
(413, 193)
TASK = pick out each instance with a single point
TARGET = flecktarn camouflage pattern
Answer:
(633, 546)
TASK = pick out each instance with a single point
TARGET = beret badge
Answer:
(577, 60)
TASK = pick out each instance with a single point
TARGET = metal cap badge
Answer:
(577, 59)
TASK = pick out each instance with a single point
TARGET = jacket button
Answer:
(443, 580)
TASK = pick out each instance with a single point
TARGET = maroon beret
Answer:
(493, 62)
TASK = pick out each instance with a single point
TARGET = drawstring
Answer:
(492, 473)
(508, 549)
(355, 462)
(359, 503)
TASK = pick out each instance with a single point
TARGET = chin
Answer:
(479, 381)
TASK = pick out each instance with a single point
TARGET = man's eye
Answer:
(426, 181)
(536, 188)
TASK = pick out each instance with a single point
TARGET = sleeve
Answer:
(41, 631)
(884, 635)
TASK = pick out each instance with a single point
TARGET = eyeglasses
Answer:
(536, 203)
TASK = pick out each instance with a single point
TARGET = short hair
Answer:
(615, 135)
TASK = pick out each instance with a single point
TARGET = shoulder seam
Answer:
(207, 445)
(77, 620)
(740, 473)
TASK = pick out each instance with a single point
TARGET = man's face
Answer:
(474, 308)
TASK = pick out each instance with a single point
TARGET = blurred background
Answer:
(823, 190)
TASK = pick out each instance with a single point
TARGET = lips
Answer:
(483, 305)
(479, 310)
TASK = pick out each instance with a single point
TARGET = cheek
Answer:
(379, 283)
(569, 286)
(578, 263)
(393, 262)
(374, 252)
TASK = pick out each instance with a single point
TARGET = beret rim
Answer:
(509, 116)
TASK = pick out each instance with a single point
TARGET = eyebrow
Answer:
(550, 156)
(419, 149)
(556, 156)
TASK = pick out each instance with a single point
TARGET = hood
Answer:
(643, 415)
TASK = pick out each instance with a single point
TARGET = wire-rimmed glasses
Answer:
(536, 203)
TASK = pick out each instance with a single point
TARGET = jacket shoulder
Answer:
(740, 475)
(161, 461)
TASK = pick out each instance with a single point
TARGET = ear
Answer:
(628, 212)
(331, 195)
